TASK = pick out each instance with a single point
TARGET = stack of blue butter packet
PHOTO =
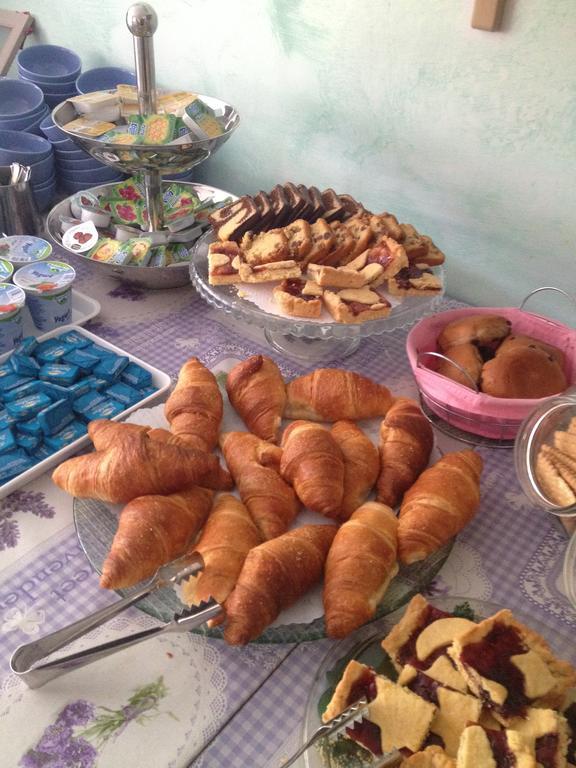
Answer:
(50, 390)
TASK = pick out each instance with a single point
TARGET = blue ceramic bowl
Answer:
(22, 147)
(64, 145)
(53, 101)
(91, 175)
(24, 123)
(35, 126)
(49, 63)
(61, 85)
(77, 186)
(51, 131)
(85, 164)
(19, 99)
(72, 154)
(45, 197)
(54, 89)
(104, 79)
(42, 186)
(42, 171)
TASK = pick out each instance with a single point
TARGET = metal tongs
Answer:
(25, 659)
(336, 727)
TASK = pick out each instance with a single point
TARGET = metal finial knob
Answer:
(141, 20)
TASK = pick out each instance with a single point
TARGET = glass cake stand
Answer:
(304, 339)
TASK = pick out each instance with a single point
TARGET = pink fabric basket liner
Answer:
(475, 412)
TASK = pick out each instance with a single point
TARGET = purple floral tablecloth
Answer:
(187, 700)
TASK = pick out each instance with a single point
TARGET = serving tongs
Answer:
(336, 727)
(25, 659)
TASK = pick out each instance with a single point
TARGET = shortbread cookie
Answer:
(551, 482)
(299, 237)
(372, 273)
(336, 277)
(565, 442)
(356, 305)
(564, 465)
(223, 263)
(414, 280)
(415, 245)
(299, 298)
(267, 273)
(265, 247)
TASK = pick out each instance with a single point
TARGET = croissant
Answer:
(406, 440)
(361, 465)
(257, 392)
(273, 577)
(330, 394)
(440, 503)
(360, 564)
(228, 536)
(255, 465)
(105, 433)
(139, 467)
(313, 464)
(194, 408)
(152, 531)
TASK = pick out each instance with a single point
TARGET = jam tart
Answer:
(485, 748)
(299, 298)
(336, 277)
(431, 757)
(414, 280)
(223, 263)
(389, 254)
(269, 272)
(356, 305)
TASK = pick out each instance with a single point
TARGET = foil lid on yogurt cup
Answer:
(6, 270)
(46, 278)
(24, 249)
(12, 299)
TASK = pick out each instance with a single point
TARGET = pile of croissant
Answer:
(257, 562)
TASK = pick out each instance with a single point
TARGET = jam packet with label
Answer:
(86, 127)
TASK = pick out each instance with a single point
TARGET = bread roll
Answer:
(523, 372)
(515, 341)
(469, 359)
(483, 330)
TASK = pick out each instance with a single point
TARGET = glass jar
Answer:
(545, 454)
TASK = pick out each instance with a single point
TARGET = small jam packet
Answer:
(105, 250)
(197, 109)
(158, 256)
(136, 251)
(86, 102)
(86, 127)
(159, 129)
(82, 237)
(130, 212)
(177, 253)
(121, 136)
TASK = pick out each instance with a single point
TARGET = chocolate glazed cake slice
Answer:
(334, 209)
(280, 206)
(232, 221)
(317, 204)
(296, 201)
(351, 205)
(264, 205)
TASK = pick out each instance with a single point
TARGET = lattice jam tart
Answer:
(223, 263)
(414, 280)
(299, 298)
(356, 305)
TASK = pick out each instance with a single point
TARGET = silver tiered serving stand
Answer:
(148, 161)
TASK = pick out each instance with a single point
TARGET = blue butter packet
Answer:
(83, 359)
(29, 442)
(13, 380)
(105, 410)
(56, 392)
(90, 400)
(27, 346)
(147, 391)
(136, 376)
(42, 452)
(7, 440)
(55, 417)
(64, 437)
(79, 388)
(23, 391)
(111, 367)
(51, 350)
(28, 406)
(98, 351)
(30, 427)
(5, 370)
(96, 383)
(24, 365)
(14, 463)
(6, 420)
(59, 373)
(74, 339)
(124, 393)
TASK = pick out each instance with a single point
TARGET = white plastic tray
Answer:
(160, 380)
(83, 309)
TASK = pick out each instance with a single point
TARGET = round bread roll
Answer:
(483, 330)
(514, 341)
(522, 372)
(467, 357)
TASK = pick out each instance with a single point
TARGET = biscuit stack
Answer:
(556, 467)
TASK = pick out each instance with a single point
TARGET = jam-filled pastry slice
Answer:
(547, 733)
(390, 255)
(264, 247)
(356, 305)
(510, 667)
(223, 263)
(299, 298)
(484, 748)
(414, 280)
(335, 277)
(267, 273)
(431, 757)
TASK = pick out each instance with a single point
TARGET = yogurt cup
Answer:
(12, 300)
(6, 271)
(48, 289)
(21, 250)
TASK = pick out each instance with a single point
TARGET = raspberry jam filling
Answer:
(380, 254)
(407, 652)
(425, 687)
(503, 757)
(491, 658)
(364, 686)
(224, 269)
(356, 307)
(367, 734)
(570, 715)
(546, 748)
(294, 287)
(409, 273)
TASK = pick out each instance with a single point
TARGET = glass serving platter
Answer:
(364, 646)
(301, 338)
(96, 524)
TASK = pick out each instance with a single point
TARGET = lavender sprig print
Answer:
(20, 501)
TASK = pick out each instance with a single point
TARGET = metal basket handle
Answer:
(548, 288)
(452, 362)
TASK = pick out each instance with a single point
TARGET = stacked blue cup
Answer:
(22, 106)
(35, 151)
(52, 68)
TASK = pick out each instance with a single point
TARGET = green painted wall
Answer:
(469, 135)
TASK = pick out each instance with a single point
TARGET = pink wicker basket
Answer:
(461, 407)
